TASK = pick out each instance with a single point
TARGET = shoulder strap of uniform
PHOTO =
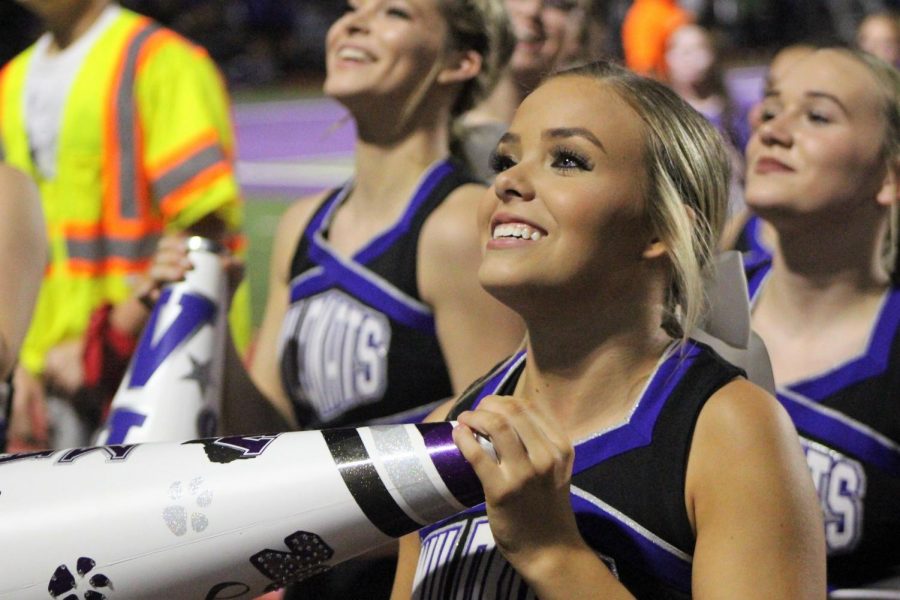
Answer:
(502, 374)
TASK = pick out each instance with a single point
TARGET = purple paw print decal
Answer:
(63, 582)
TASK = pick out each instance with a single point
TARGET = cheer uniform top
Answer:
(357, 341)
(849, 424)
(750, 242)
(627, 492)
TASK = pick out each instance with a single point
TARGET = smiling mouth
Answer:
(771, 165)
(353, 55)
(516, 231)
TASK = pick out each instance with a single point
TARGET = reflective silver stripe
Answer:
(179, 175)
(102, 248)
(407, 480)
(126, 122)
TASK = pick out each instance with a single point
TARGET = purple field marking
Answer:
(273, 135)
(292, 130)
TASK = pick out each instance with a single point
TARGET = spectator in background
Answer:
(692, 69)
(125, 127)
(746, 232)
(547, 33)
(645, 33)
(879, 34)
(23, 257)
(694, 72)
(824, 171)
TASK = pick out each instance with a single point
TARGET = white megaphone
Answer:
(172, 389)
(220, 518)
(726, 327)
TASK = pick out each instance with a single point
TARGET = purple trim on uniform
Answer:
(872, 363)
(498, 379)
(642, 553)
(315, 224)
(337, 274)
(756, 267)
(842, 433)
(638, 431)
(431, 179)
(477, 509)
(753, 235)
(639, 551)
(454, 470)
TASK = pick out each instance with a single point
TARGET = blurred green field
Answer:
(261, 222)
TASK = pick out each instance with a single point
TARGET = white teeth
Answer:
(352, 54)
(516, 230)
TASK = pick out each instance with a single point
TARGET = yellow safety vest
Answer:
(145, 144)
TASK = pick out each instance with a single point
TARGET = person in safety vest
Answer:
(126, 128)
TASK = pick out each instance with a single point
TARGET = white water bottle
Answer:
(173, 386)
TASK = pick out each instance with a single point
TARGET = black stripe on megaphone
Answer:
(364, 483)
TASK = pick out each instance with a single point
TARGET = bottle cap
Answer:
(196, 242)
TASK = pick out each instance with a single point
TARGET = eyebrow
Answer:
(567, 132)
(773, 93)
(557, 133)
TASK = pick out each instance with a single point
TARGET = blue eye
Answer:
(569, 160)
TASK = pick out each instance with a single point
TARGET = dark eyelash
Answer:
(499, 162)
(582, 161)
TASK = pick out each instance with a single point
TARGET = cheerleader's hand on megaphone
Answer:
(526, 479)
(171, 263)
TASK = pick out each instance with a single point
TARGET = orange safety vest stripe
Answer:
(126, 206)
(180, 198)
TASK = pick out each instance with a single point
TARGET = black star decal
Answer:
(200, 372)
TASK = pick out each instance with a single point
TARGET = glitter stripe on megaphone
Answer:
(222, 517)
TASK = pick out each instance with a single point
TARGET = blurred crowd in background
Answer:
(261, 42)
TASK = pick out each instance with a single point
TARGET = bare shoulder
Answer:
(743, 413)
(742, 424)
(455, 220)
(290, 227)
(752, 502)
(297, 215)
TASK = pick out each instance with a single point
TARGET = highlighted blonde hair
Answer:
(888, 80)
(688, 172)
(479, 25)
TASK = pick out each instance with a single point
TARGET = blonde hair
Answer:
(482, 26)
(479, 25)
(688, 172)
(888, 79)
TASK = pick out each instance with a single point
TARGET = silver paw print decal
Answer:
(197, 497)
